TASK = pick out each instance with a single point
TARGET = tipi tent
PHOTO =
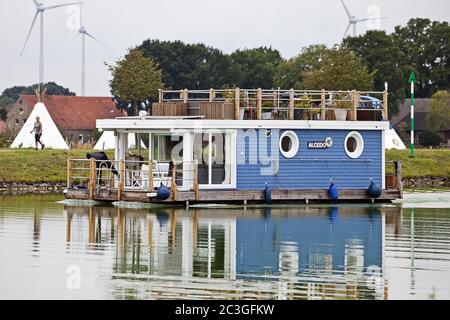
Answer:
(393, 141)
(51, 137)
(108, 141)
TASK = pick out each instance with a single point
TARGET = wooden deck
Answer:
(233, 196)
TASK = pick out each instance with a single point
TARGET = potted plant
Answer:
(341, 106)
(305, 109)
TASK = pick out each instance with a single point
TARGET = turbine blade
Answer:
(346, 30)
(370, 19)
(62, 5)
(94, 38)
(29, 32)
(346, 9)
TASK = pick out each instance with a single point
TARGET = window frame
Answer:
(359, 145)
(295, 144)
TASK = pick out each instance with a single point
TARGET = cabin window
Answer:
(289, 144)
(354, 145)
(20, 111)
(167, 147)
(17, 122)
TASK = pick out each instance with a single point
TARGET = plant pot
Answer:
(340, 114)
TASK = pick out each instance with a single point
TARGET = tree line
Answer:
(365, 62)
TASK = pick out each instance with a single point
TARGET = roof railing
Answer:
(285, 104)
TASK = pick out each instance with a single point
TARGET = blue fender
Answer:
(163, 192)
(374, 190)
(267, 195)
(333, 192)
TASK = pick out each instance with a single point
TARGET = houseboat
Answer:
(244, 145)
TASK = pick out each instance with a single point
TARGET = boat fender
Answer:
(374, 190)
(163, 192)
(267, 194)
(333, 192)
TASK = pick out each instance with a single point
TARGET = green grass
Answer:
(33, 166)
(426, 163)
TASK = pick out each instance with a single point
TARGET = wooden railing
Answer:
(261, 104)
(131, 175)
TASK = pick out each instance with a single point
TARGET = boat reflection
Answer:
(257, 253)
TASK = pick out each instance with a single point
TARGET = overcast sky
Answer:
(286, 25)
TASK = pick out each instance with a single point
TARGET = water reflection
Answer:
(264, 253)
(285, 252)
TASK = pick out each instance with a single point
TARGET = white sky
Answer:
(286, 25)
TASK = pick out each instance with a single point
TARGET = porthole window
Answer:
(289, 144)
(354, 145)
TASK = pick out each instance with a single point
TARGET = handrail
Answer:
(281, 100)
(136, 175)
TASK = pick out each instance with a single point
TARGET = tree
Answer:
(438, 119)
(383, 57)
(135, 81)
(193, 66)
(426, 46)
(291, 73)
(430, 138)
(255, 68)
(340, 69)
(403, 131)
(3, 114)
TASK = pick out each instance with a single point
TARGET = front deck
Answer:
(95, 180)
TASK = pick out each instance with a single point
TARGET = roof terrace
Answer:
(273, 104)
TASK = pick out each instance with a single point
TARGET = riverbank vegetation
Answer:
(30, 166)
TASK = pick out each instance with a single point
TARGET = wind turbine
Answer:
(353, 21)
(40, 9)
(84, 33)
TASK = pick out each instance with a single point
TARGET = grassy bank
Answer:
(427, 163)
(32, 166)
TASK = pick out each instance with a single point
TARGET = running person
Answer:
(37, 129)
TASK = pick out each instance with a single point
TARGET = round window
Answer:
(289, 144)
(354, 145)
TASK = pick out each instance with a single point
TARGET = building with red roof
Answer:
(75, 117)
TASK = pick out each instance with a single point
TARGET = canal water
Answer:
(50, 250)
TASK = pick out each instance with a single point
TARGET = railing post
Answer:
(195, 184)
(69, 174)
(92, 177)
(121, 180)
(259, 104)
(355, 97)
(150, 175)
(237, 104)
(323, 103)
(385, 105)
(173, 185)
(160, 96)
(291, 104)
(212, 95)
(185, 96)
